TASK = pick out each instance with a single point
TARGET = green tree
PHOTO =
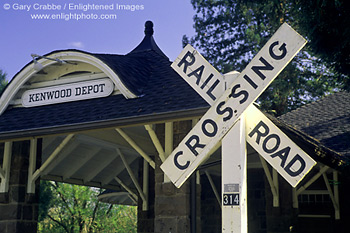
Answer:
(3, 81)
(230, 32)
(326, 25)
(74, 209)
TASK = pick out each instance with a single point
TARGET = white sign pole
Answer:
(205, 137)
(234, 180)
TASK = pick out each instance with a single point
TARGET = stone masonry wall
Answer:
(172, 205)
(19, 210)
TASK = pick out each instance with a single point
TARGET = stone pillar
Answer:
(19, 210)
(172, 205)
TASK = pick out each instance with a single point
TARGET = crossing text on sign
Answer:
(205, 137)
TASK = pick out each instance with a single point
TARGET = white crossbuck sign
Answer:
(228, 105)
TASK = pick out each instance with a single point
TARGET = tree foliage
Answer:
(3, 81)
(326, 24)
(75, 209)
(230, 32)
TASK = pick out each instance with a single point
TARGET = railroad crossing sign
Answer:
(226, 109)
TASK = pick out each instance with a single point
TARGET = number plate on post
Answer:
(230, 199)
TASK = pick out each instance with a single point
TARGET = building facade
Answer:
(110, 121)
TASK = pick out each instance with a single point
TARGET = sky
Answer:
(80, 24)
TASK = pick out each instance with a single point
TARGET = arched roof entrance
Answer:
(92, 116)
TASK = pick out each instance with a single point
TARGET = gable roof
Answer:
(162, 94)
(327, 121)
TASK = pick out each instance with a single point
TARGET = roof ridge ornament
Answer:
(148, 43)
(149, 28)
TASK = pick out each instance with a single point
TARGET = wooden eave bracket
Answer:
(142, 192)
(273, 181)
(136, 147)
(33, 173)
(5, 169)
(334, 196)
(156, 142)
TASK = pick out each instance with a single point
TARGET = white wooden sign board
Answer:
(226, 110)
(289, 160)
(67, 92)
(267, 139)
(199, 74)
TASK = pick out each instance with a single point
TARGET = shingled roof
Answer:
(325, 123)
(162, 94)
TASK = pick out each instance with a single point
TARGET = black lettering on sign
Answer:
(77, 91)
(184, 61)
(214, 126)
(283, 154)
(250, 81)
(282, 48)
(211, 88)
(69, 92)
(223, 111)
(31, 98)
(177, 164)
(84, 90)
(196, 144)
(102, 86)
(236, 95)
(271, 144)
(50, 95)
(268, 139)
(207, 81)
(296, 159)
(266, 66)
(259, 133)
(197, 73)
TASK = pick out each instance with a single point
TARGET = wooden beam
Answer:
(331, 195)
(32, 165)
(312, 180)
(60, 157)
(169, 143)
(2, 173)
(6, 164)
(132, 176)
(145, 185)
(336, 193)
(156, 142)
(212, 185)
(52, 157)
(136, 147)
(272, 182)
(118, 170)
(126, 188)
(297, 192)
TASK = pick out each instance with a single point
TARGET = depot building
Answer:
(110, 121)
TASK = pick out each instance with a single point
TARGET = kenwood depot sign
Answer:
(68, 92)
(205, 137)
